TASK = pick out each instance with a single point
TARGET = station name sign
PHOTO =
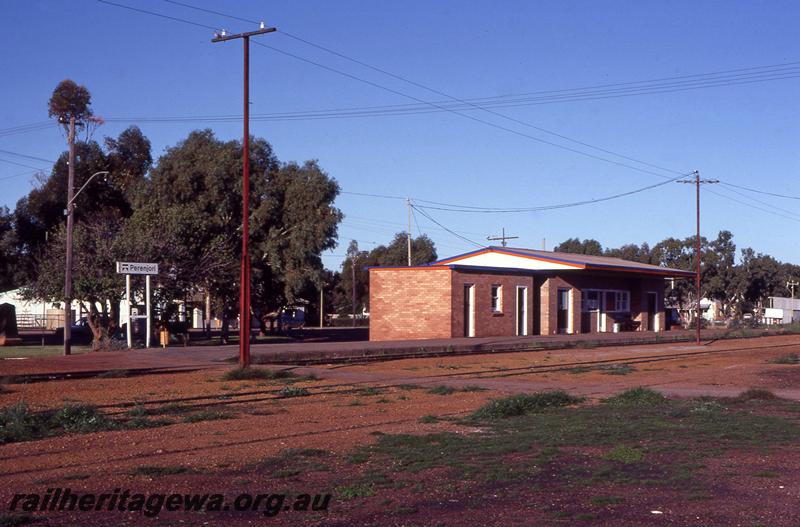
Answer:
(137, 268)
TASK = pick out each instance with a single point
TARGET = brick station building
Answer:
(500, 291)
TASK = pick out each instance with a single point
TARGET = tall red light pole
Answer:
(244, 288)
(697, 182)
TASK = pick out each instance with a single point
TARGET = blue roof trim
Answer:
(459, 267)
(460, 256)
(667, 271)
(493, 248)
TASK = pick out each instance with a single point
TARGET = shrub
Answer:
(81, 419)
(525, 403)
(18, 423)
(359, 490)
(290, 391)
(624, 454)
(206, 415)
(249, 374)
(637, 397)
(473, 388)
(442, 390)
(155, 471)
(13, 520)
(791, 358)
(756, 394)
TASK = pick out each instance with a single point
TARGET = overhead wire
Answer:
(412, 97)
(749, 189)
(26, 156)
(474, 209)
(424, 213)
(433, 90)
(470, 103)
(768, 211)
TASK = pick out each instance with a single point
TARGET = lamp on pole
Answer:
(244, 292)
(72, 201)
(70, 224)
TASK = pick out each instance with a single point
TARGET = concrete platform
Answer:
(156, 360)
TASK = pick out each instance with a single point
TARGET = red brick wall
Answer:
(637, 285)
(487, 323)
(548, 294)
(409, 303)
(421, 303)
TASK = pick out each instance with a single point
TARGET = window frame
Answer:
(496, 301)
(622, 300)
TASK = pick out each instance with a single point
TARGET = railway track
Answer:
(356, 387)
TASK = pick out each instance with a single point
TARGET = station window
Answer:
(497, 298)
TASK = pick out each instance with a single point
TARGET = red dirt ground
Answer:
(224, 455)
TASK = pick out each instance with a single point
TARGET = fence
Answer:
(49, 321)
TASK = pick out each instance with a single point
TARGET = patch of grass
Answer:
(579, 369)
(155, 471)
(358, 490)
(624, 454)
(409, 387)
(207, 415)
(766, 474)
(442, 390)
(74, 477)
(291, 391)
(356, 458)
(637, 397)
(756, 394)
(114, 374)
(14, 520)
(790, 358)
(171, 409)
(554, 442)
(250, 374)
(383, 400)
(428, 419)
(355, 402)
(18, 423)
(371, 390)
(517, 405)
(286, 473)
(617, 369)
(605, 500)
(473, 388)
(81, 419)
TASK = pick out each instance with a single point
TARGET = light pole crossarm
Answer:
(221, 37)
(70, 202)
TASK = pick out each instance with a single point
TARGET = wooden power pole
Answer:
(244, 291)
(697, 182)
(502, 238)
(70, 224)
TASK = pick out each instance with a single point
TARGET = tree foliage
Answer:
(576, 246)
(423, 251)
(738, 287)
(70, 100)
(8, 253)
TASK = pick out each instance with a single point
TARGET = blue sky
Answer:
(138, 66)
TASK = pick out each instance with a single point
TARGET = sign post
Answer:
(147, 269)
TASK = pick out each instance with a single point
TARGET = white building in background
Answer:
(34, 314)
(781, 310)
